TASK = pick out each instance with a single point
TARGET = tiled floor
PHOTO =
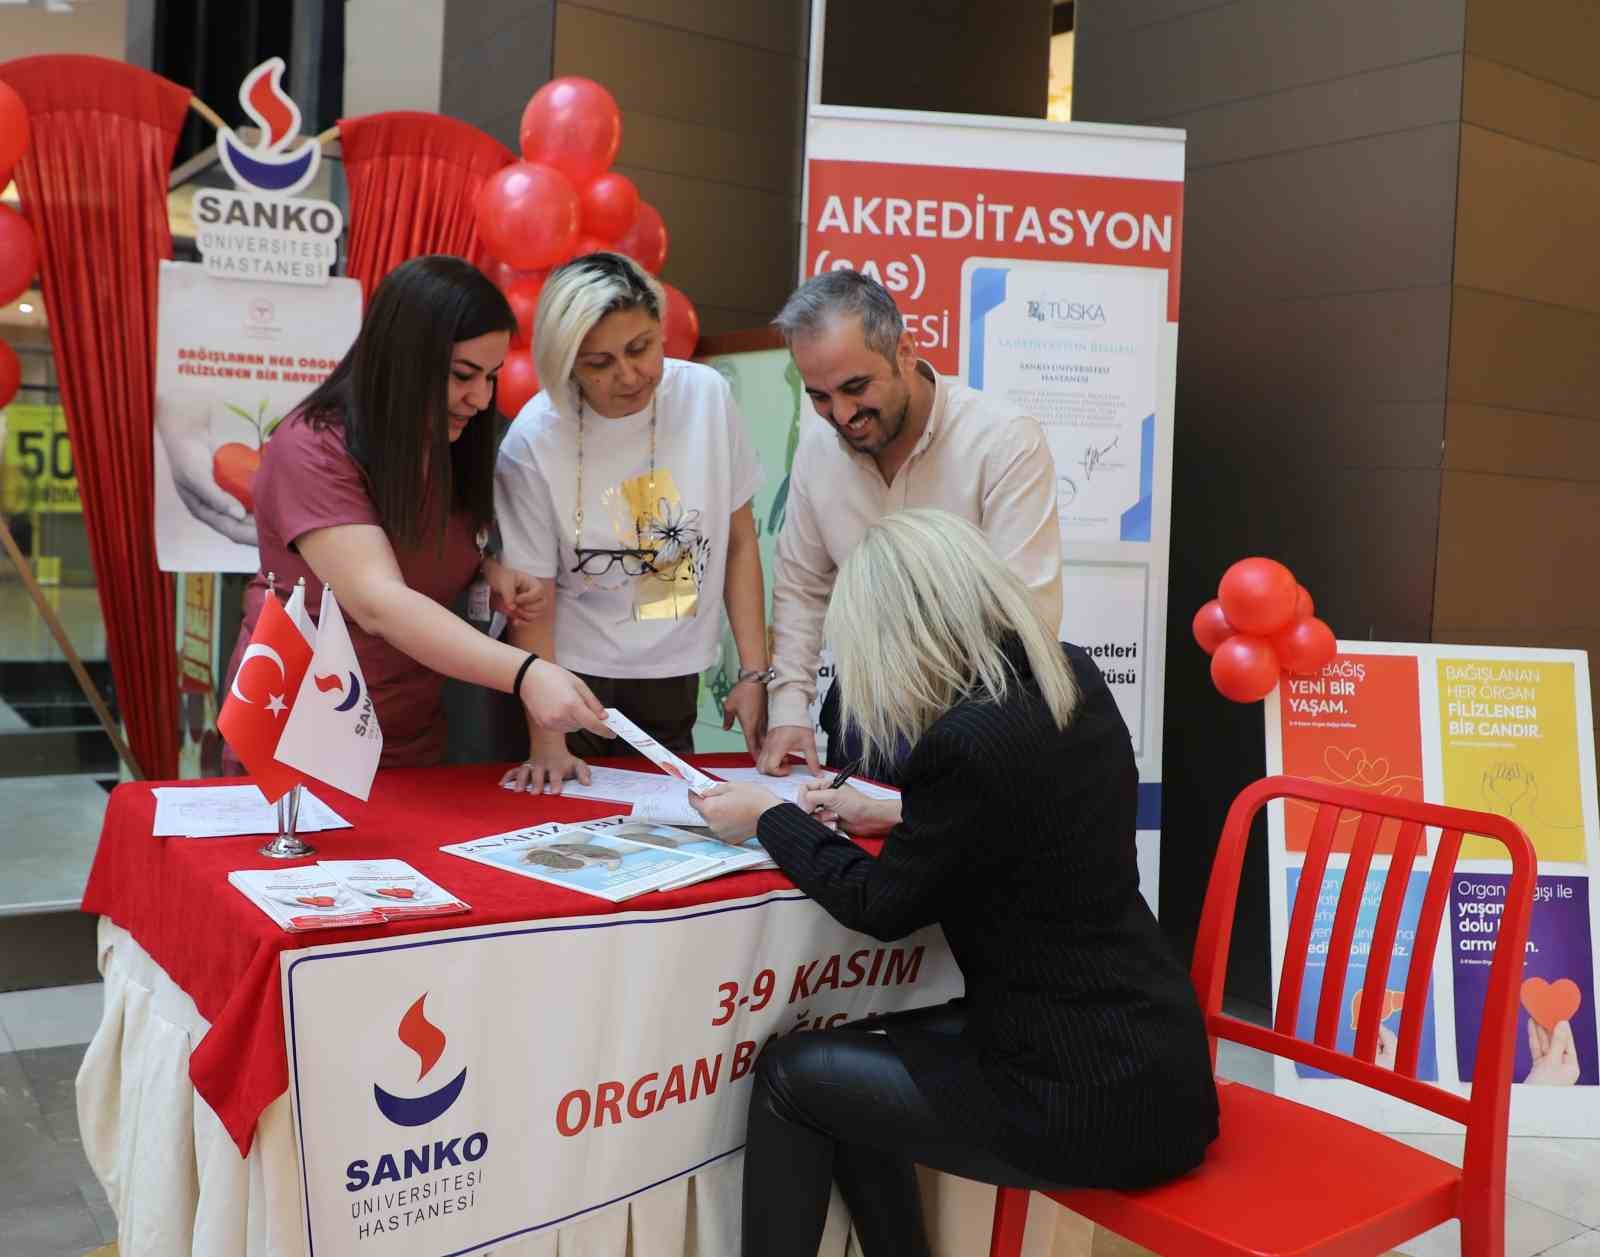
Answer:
(51, 1205)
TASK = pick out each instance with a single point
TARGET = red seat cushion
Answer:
(1283, 1178)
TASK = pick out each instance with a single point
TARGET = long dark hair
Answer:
(390, 396)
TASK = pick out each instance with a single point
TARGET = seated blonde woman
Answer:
(1077, 1056)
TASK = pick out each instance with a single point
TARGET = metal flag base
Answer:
(288, 845)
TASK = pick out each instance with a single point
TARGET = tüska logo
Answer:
(1047, 310)
(428, 1042)
(275, 163)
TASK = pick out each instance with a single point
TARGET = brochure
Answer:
(581, 859)
(304, 898)
(665, 760)
(394, 888)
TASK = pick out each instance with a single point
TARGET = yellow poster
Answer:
(38, 474)
(1509, 734)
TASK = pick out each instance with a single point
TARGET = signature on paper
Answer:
(1092, 457)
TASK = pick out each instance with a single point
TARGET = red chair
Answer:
(1285, 1178)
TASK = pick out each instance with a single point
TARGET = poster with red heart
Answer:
(1556, 1039)
(233, 359)
(1357, 723)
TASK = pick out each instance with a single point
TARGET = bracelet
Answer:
(516, 686)
(765, 676)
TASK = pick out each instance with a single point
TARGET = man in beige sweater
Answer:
(895, 434)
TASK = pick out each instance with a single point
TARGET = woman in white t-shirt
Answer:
(625, 486)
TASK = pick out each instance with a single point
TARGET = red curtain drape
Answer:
(93, 183)
(413, 177)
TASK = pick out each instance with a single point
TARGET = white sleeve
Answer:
(526, 512)
(747, 473)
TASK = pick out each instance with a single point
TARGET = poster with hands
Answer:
(233, 359)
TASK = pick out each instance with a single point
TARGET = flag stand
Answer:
(288, 845)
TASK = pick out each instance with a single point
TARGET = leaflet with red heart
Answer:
(658, 755)
(394, 889)
(304, 897)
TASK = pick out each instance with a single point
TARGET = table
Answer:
(182, 1092)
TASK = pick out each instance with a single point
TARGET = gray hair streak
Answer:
(835, 294)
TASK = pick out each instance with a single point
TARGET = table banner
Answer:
(1494, 729)
(1039, 262)
(452, 1091)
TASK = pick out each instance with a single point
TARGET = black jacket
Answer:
(1085, 1059)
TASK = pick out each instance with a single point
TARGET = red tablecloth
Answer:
(173, 896)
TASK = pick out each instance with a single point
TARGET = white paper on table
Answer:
(233, 812)
(788, 788)
(653, 796)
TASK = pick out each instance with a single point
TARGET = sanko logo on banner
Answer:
(456, 1090)
(261, 231)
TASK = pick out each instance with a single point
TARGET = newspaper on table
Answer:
(747, 857)
(232, 812)
(584, 860)
(338, 893)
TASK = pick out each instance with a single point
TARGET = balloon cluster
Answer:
(19, 255)
(1261, 624)
(563, 200)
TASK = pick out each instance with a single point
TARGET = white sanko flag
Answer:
(295, 609)
(332, 732)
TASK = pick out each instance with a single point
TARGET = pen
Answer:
(839, 778)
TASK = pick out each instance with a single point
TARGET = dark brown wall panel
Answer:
(1529, 221)
(1523, 355)
(1514, 103)
(1549, 39)
(1507, 442)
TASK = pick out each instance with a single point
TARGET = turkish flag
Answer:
(264, 689)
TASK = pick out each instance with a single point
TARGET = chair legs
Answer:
(1010, 1220)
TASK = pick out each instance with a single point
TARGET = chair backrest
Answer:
(1485, 1110)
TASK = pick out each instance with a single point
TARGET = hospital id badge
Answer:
(478, 600)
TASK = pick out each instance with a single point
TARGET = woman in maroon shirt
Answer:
(381, 485)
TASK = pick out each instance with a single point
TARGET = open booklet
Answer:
(593, 858)
(337, 893)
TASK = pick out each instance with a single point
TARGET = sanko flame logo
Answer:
(428, 1042)
(275, 164)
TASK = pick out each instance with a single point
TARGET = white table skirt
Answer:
(178, 1185)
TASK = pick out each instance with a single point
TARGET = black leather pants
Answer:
(840, 1106)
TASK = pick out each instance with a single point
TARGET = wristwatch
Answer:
(764, 676)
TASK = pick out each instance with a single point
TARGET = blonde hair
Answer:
(575, 297)
(919, 613)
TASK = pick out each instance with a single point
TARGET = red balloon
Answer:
(1257, 596)
(1211, 627)
(610, 204)
(590, 244)
(680, 324)
(574, 125)
(13, 131)
(528, 215)
(523, 297)
(19, 257)
(646, 241)
(503, 276)
(518, 382)
(1305, 647)
(1244, 668)
(10, 373)
(1304, 608)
